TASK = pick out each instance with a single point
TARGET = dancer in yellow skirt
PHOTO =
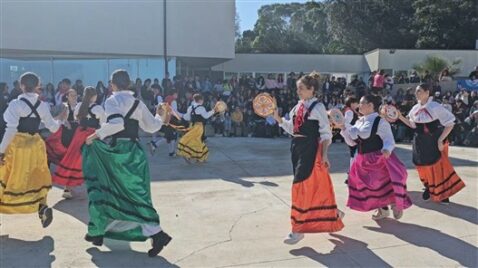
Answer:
(24, 175)
(191, 146)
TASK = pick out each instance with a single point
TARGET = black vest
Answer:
(197, 118)
(310, 128)
(131, 126)
(29, 124)
(425, 143)
(373, 143)
(92, 121)
(71, 113)
(355, 118)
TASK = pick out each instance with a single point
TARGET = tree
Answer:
(446, 24)
(363, 25)
(434, 65)
(237, 26)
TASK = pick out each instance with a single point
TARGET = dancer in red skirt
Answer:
(432, 124)
(314, 209)
(90, 116)
(57, 143)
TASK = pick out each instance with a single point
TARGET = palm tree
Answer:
(435, 64)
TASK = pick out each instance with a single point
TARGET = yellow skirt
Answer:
(191, 146)
(24, 178)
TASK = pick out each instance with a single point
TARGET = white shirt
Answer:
(159, 99)
(199, 111)
(363, 129)
(97, 110)
(430, 112)
(17, 109)
(120, 103)
(349, 116)
(318, 113)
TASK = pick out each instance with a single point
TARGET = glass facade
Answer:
(89, 71)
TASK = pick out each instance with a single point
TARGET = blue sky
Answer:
(247, 10)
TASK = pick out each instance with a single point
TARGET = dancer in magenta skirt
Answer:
(377, 177)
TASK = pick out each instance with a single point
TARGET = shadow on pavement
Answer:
(443, 244)
(20, 253)
(454, 210)
(337, 257)
(126, 258)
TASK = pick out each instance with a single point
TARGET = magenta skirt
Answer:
(376, 182)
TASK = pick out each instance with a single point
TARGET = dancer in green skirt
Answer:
(117, 174)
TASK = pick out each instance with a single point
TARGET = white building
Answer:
(89, 39)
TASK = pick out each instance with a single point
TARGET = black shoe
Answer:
(446, 201)
(346, 181)
(96, 240)
(46, 215)
(160, 240)
(426, 194)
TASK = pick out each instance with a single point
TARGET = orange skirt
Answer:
(314, 209)
(441, 178)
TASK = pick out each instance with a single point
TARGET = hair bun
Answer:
(315, 75)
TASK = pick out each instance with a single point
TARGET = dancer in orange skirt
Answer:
(90, 116)
(313, 209)
(432, 124)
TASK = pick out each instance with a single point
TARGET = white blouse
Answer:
(199, 111)
(17, 109)
(98, 111)
(120, 103)
(318, 113)
(363, 129)
(430, 112)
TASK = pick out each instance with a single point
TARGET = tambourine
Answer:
(237, 117)
(390, 113)
(336, 117)
(264, 105)
(221, 107)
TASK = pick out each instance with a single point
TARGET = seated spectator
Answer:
(414, 78)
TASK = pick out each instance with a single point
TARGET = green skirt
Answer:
(118, 183)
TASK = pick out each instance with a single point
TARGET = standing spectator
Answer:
(3, 107)
(48, 94)
(78, 86)
(63, 87)
(261, 83)
(206, 86)
(291, 81)
(427, 78)
(378, 82)
(147, 93)
(474, 74)
(388, 83)
(166, 83)
(16, 91)
(218, 88)
(280, 83)
(101, 92)
(445, 75)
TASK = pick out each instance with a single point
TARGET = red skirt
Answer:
(314, 209)
(69, 171)
(441, 178)
(54, 147)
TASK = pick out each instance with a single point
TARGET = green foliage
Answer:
(357, 26)
(434, 65)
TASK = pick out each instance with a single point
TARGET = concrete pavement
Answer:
(234, 211)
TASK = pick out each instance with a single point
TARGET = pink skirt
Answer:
(376, 182)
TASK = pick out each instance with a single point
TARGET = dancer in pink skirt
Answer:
(377, 177)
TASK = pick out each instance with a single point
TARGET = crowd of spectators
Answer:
(239, 92)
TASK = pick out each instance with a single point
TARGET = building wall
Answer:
(280, 63)
(196, 28)
(405, 59)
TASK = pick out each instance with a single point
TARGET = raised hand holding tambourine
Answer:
(390, 113)
(264, 105)
(336, 117)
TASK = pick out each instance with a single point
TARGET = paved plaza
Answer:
(233, 211)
